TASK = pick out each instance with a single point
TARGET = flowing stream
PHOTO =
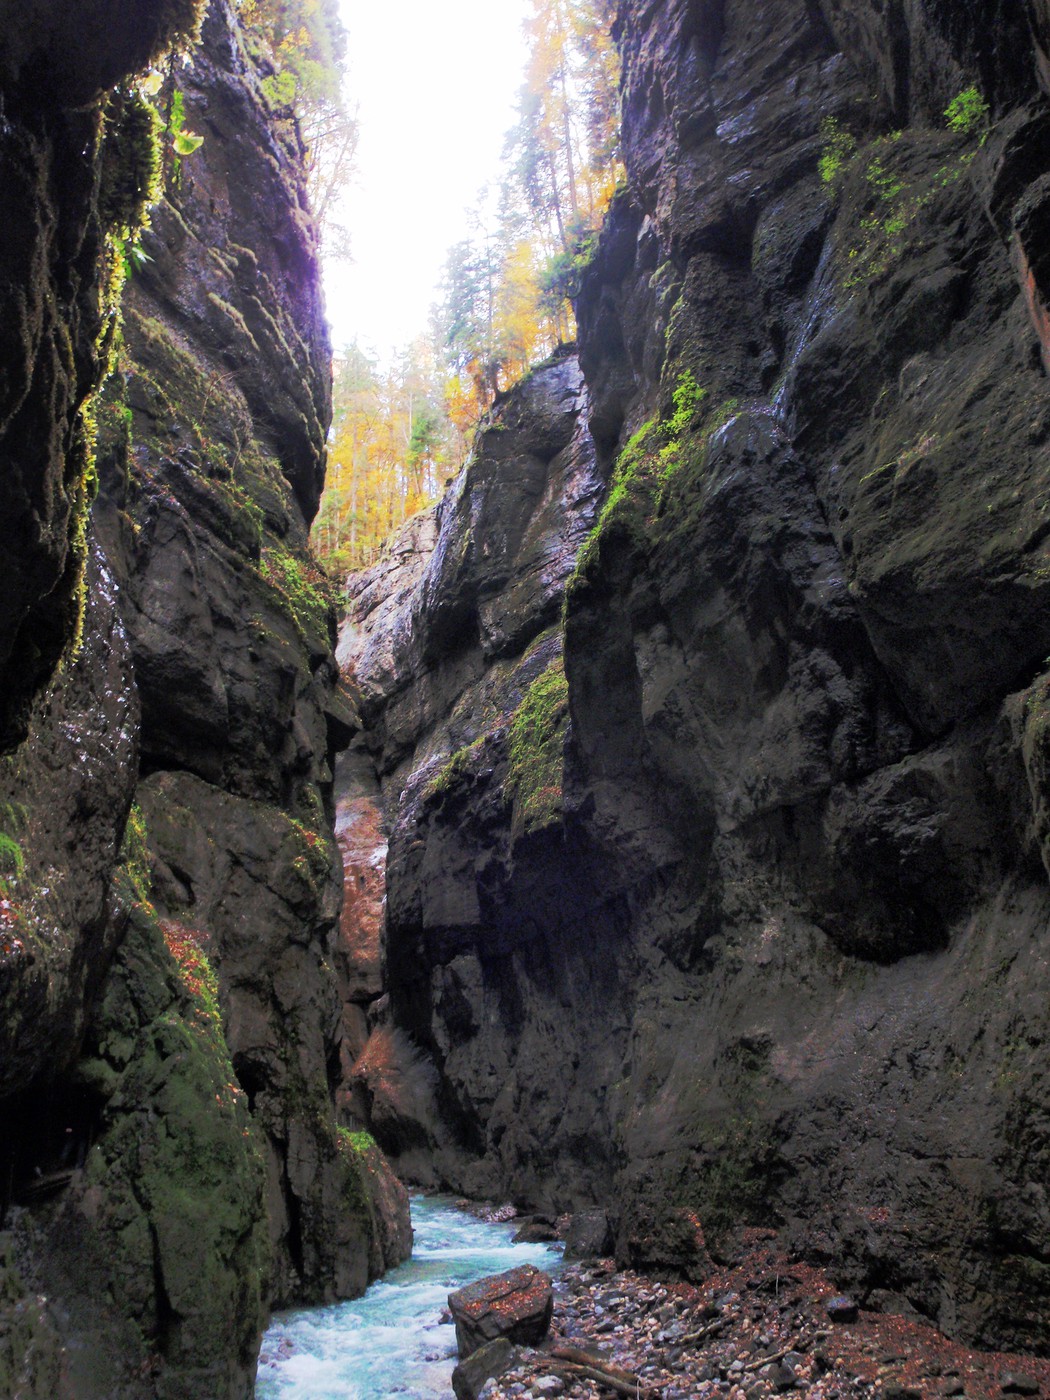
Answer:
(391, 1341)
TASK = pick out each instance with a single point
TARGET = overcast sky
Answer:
(435, 86)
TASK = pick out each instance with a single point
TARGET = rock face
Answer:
(173, 1162)
(54, 311)
(723, 898)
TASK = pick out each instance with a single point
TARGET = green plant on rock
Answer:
(357, 1151)
(303, 588)
(651, 460)
(730, 1185)
(687, 396)
(134, 877)
(12, 831)
(967, 114)
(895, 200)
(537, 750)
(838, 147)
(457, 766)
(12, 862)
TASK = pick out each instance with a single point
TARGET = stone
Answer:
(477, 1368)
(517, 1305)
(1016, 1383)
(589, 1235)
(841, 1308)
(536, 1232)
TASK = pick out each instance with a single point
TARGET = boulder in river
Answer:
(517, 1305)
(487, 1363)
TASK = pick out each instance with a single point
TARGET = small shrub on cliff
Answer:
(12, 828)
(967, 114)
(837, 150)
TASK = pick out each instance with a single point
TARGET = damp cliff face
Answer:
(726, 897)
(173, 1163)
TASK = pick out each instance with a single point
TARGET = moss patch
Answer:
(31, 1355)
(304, 590)
(176, 1180)
(732, 1180)
(537, 751)
(644, 485)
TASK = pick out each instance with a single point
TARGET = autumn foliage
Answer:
(506, 299)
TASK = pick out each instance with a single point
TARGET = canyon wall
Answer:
(173, 1161)
(713, 730)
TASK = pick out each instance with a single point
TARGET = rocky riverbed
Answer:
(765, 1326)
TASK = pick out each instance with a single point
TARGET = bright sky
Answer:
(435, 86)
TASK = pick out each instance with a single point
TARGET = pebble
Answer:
(841, 1308)
(1011, 1383)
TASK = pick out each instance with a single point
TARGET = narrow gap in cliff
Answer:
(250, 1077)
(167, 1317)
(48, 1132)
(295, 1223)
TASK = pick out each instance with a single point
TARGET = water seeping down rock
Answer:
(172, 1161)
(712, 714)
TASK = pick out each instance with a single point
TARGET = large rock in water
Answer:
(517, 1305)
(725, 899)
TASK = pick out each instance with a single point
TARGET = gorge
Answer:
(670, 839)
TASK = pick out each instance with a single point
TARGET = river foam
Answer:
(392, 1341)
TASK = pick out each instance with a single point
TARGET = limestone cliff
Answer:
(173, 1163)
(722, 894)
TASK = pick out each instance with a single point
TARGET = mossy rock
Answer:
(537, 751)
(173, 1189)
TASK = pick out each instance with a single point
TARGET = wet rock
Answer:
(1016, 1383)
(537, 1231)
(487, 1362)
(589, 1236)
(516, 1305)
(841, 1308)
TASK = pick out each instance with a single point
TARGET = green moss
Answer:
(458, 766)
(361, 1143)
(731, 1184)
(302, 587)
(134, 881)
(12, 861)
(12, 857)
(659, 452)
(33, 1362)
(628, 508)
(892, 201)
(130, 177)
(537, 748)
(359, 1154)
(181, 22)
(312, 860)
(178, 1229)
(233, 315)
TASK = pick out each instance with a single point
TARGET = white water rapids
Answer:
(391, 1341)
